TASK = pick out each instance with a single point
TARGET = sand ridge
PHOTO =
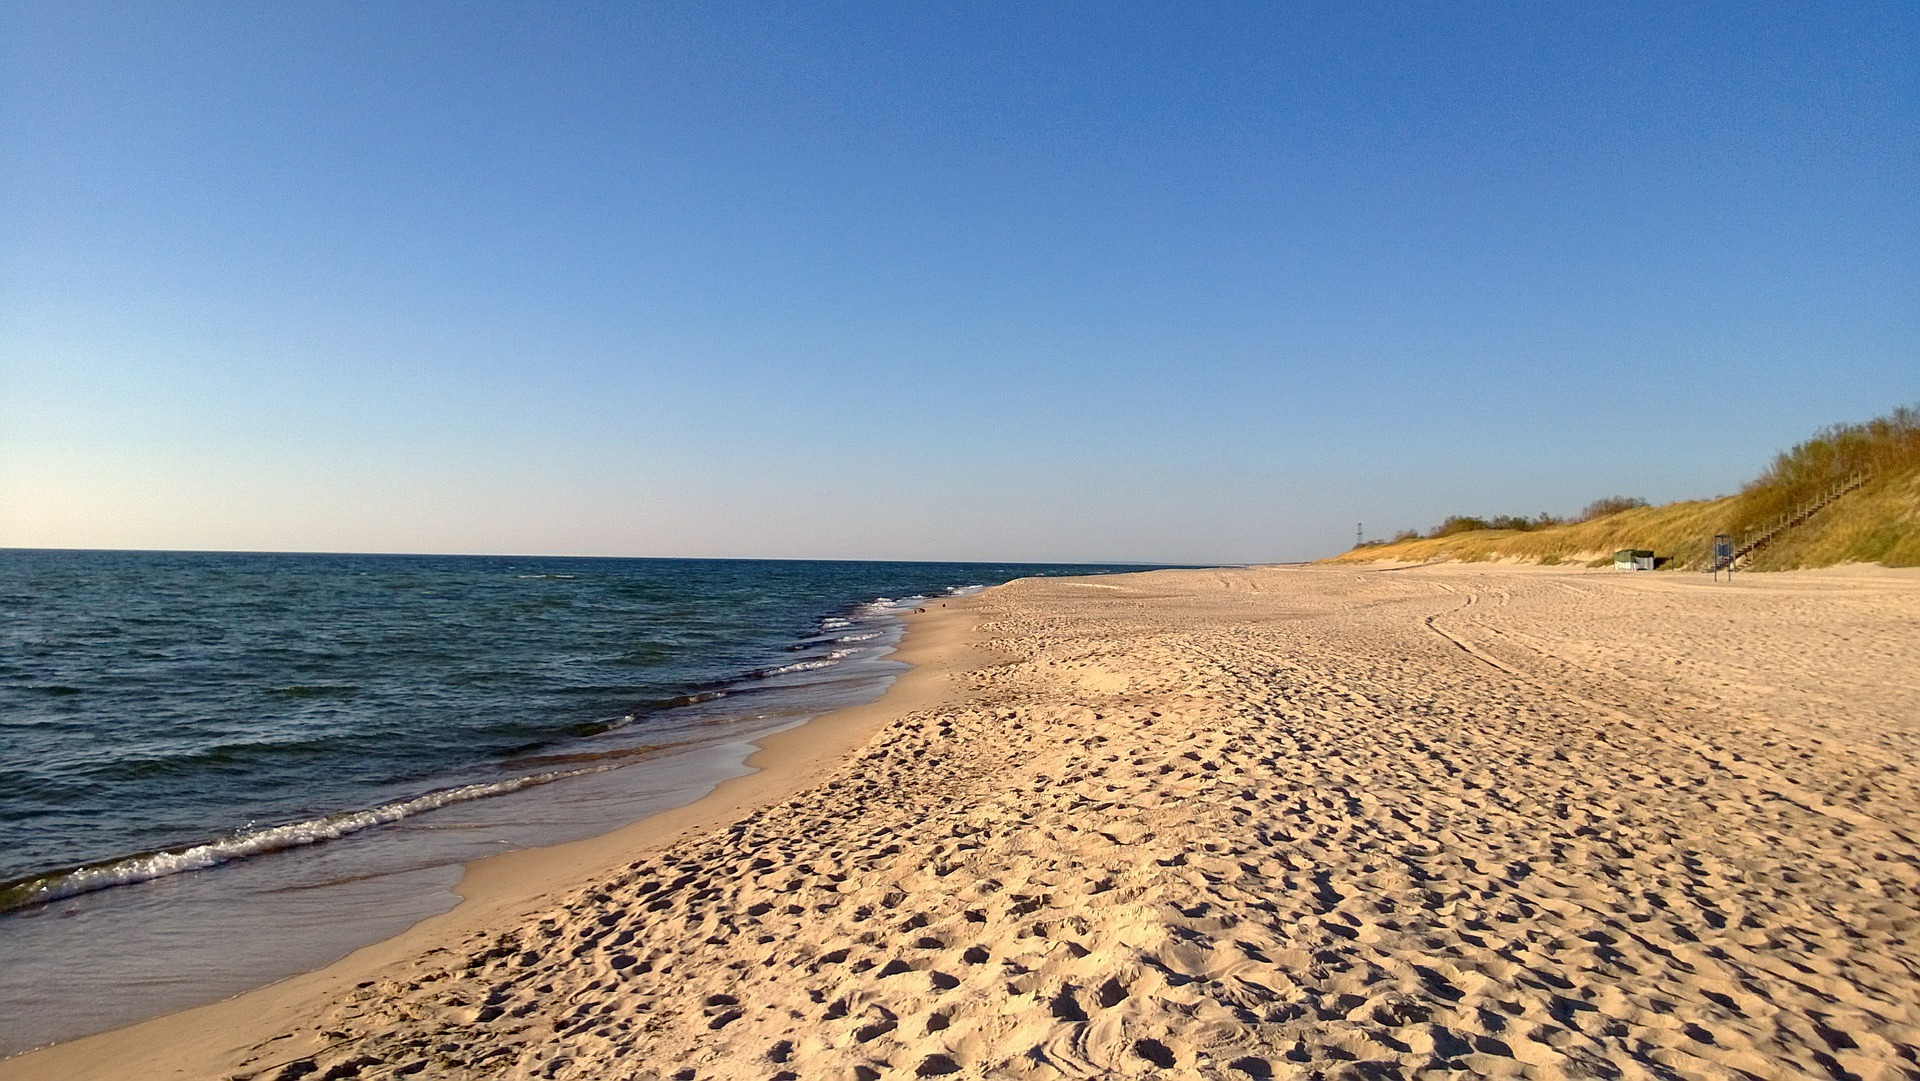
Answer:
(1261, 823)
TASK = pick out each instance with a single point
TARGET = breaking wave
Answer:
(125, 870)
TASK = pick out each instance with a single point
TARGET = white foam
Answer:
(887, 606)
(803, 666)
(257, 842)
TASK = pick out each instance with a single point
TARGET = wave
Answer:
(798, 666)
(146, 866)
(888, 606)
(129, 767)
(840, 634)
(868, 611)
(583, 756)
(831, 658)
(594, 728)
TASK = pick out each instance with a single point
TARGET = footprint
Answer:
(1155, 1052)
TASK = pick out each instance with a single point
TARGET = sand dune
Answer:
(1316, 822)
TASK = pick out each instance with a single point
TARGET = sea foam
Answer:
(126, 870)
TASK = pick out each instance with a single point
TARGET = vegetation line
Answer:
(1877, 521)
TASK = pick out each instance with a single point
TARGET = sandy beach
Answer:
(1461, 820)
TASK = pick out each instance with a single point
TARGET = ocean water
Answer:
(218, 769)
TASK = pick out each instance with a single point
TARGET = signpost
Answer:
(1722, 556)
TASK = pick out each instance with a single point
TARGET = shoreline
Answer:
(1235, 823)
(203, 1040)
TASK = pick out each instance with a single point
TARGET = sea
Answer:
(220, 769)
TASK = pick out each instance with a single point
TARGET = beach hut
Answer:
(1633, 559)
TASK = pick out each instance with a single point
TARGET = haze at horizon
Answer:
(864, 282)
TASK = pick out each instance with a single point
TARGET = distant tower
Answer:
(1359, 534)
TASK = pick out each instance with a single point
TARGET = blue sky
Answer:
(1158, 282)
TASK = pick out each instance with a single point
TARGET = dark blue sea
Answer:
(217, 769)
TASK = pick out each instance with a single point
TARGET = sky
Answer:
(1156, 282)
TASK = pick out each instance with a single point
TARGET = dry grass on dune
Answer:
(1879, 523)
(1876, 523)
(1683, 531)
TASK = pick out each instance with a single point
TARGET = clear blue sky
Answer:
(1160, 282)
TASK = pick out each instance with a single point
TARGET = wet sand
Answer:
(1459, 820)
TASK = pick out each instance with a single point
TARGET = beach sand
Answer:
(1287, 822)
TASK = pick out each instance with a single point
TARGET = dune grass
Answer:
(1877, 523)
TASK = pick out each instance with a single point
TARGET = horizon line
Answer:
(711, 559)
